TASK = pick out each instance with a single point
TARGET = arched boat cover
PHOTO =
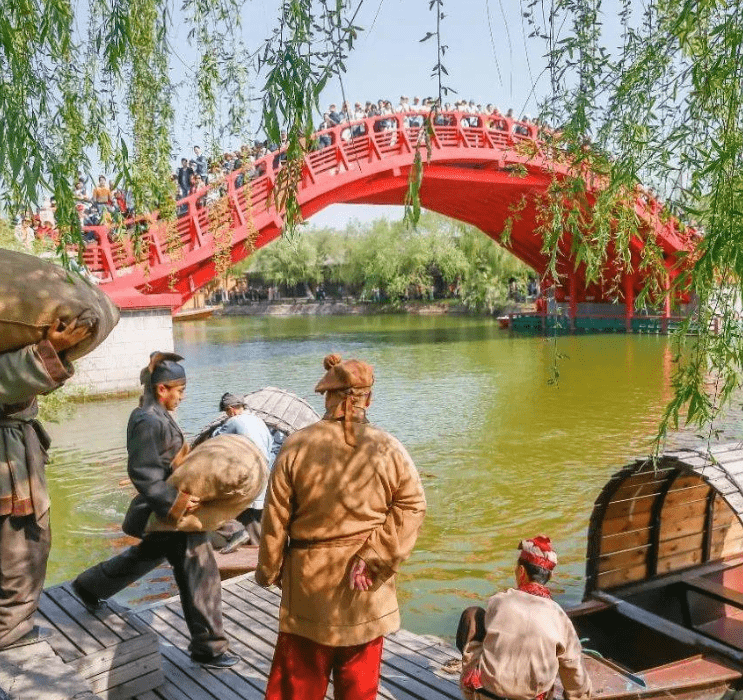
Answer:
(655, 517)
(279, 408)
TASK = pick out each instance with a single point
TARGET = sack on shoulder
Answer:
(226, 472)
(34, 293)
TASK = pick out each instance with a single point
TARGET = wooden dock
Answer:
(143, 654)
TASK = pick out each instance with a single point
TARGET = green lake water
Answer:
(503, 455)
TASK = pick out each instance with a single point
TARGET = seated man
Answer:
(517, 647)
(247, 528)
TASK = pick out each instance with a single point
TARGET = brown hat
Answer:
(340, 376)
(351, 379)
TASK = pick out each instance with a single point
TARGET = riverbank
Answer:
(332, 307)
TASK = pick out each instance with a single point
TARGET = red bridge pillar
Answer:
(629, 301)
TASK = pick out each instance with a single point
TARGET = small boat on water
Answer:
(195, 314)
(662, 613)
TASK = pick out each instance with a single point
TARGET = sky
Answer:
(489, 59)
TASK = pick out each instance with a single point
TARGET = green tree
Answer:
(667, 104)
(94, 77)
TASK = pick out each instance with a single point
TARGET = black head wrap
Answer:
(163, 369)
(229, 400)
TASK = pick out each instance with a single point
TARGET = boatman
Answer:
(343, 511)
(25, 537)
(156, 446)
(247, 527)
(518, 646)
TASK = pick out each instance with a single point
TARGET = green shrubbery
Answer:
(390, 257)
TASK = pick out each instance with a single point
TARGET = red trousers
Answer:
(301, 670)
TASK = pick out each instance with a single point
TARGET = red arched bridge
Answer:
(480, 171)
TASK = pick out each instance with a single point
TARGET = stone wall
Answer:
(114, 366)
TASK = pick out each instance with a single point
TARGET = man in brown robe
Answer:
(516, 648)
(25, 537)
(343, 511)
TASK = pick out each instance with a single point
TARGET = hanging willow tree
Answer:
(656, 103)
(660, 106)
(77, 81)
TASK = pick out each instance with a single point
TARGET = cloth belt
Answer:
(488, 694)
(320, 544)
(25, 498)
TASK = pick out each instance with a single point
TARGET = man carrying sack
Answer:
(156, 445)
(518, 646)
(25, 537)
(343, 511)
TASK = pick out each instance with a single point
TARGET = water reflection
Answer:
(503, 455)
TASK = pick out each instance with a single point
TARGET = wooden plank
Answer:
(127, 689)
(92, 625)
(624, 540)
(679, 545)
(624, 559)
(674, 527)
(69, 629)
(110, 617)
(400, 672)
(625, 523)
(715, 591)
(679, 561)
(187, 684)
(121, 674)
(227, 685)
(619, 577)
(642, 481)
(642, 504)
(122, 653)
(731, 547)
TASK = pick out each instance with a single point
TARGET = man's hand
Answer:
(193, 503)
(360, 577)
(63, 339)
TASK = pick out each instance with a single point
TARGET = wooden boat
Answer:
(504, 322)
(663, 602)
(280, 409)
(194, 314)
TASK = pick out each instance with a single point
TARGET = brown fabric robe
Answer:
(25, 538)
(529, 640)
(328, 502)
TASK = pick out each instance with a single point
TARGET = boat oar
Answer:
(616, 667)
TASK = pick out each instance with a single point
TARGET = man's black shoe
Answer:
(224, 660)
(34, 635)
(92, 603)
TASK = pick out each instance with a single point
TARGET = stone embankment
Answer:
(344, 308)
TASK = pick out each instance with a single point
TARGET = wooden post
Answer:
(629, 301)
(573, 289)
(666, 301)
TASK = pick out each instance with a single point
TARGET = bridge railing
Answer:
(333, 151)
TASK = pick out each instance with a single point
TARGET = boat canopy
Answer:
(279, 409)
(659, 516)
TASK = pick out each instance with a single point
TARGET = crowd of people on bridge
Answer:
(103, 202)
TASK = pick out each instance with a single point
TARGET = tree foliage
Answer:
(388, 257)
(659, 105)
(91, 80)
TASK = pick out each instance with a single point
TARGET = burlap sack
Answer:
(34, 292)
(226, 472)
